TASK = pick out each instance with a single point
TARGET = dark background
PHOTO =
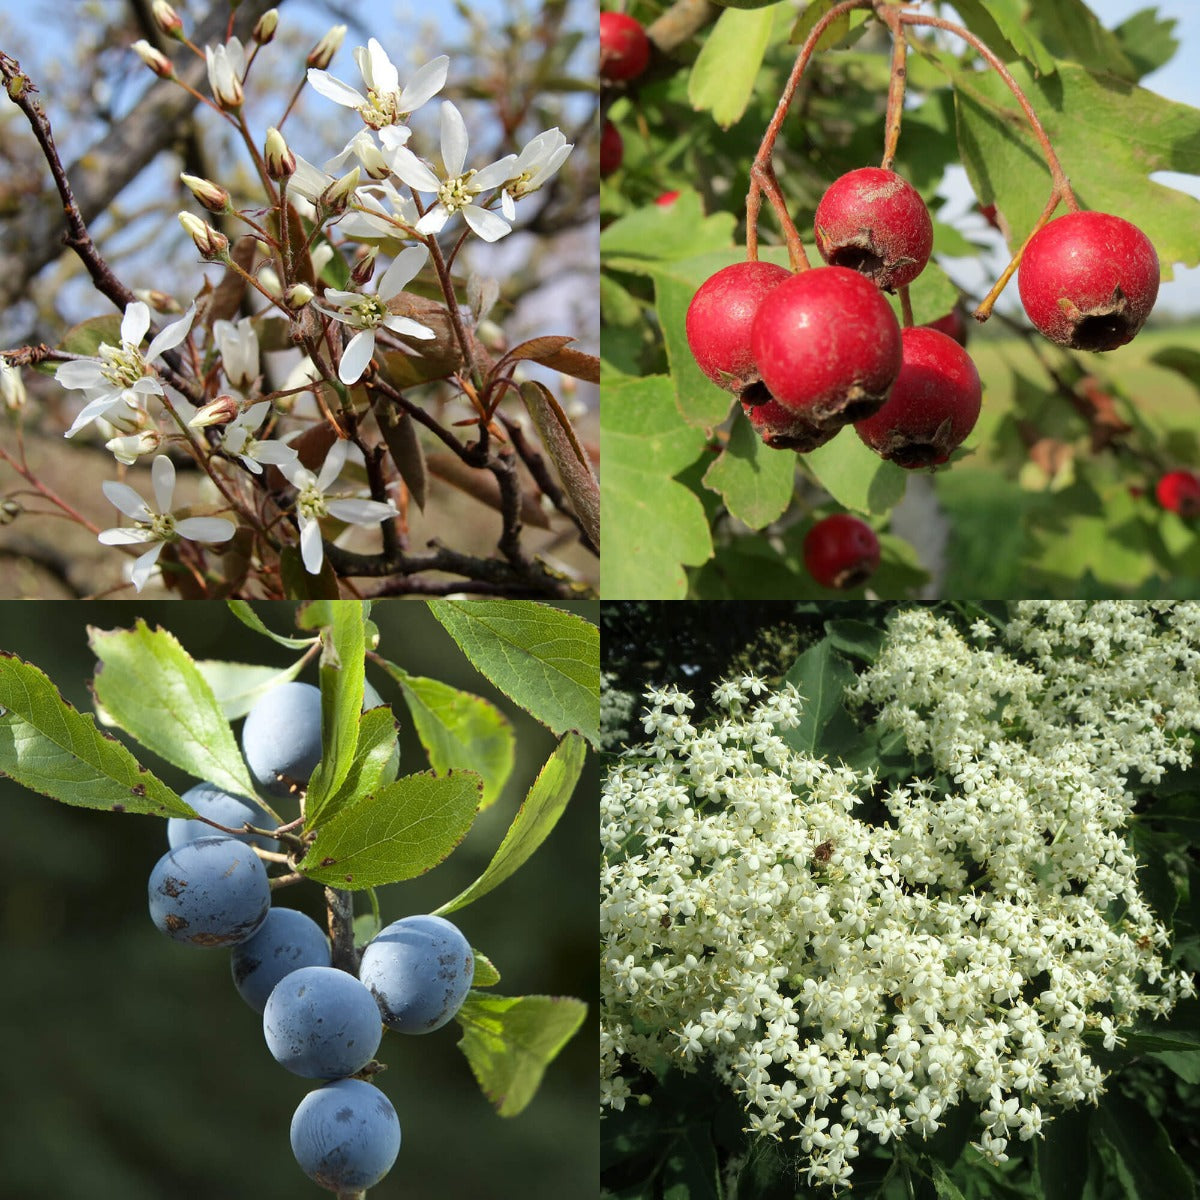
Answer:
(132, 1069)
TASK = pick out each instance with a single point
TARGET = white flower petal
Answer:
(335, 460)
(433, 221)
(508, 207)
(356, 356)
(162, 475)
(394, 136)
(144, 566)
(125, 537)
(309, 180)
(205, 529)
(411, 170)
(93, 409)
(488, 225)
(379, 73)
(406, 327)
(406, 266)
(360, 512)
(312, 549)
(135, 322)
(297, 474)
(274, 453)
(79, 373)
(494, 174)
(425, 84)
(122, 496)
(454, 140)
(343, 299)
(172, 335)
(335, 89)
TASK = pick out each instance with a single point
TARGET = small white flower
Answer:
(540, 158)
(118, 370)
(312, 504)
(226, 69)
(458, 189)
(12, 387)
(128, 448)
(240, 441)
(380, 211)
(157, 526)
(386, 102)
(238, 344)
(366, 313)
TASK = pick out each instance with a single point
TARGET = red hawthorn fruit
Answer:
(1088, 280)
(612, 148)
(666, 199)
(932, 406)
(1179, 491)
(720, 317)
(841, 551)
(779, 427)
(624, 47)
(827, 345)
(874, 222)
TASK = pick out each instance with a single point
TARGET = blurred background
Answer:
(131, 1067)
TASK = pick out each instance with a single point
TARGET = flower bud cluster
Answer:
(851, 977)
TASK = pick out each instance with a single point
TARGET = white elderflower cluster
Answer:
(616, 709)
(851, 979)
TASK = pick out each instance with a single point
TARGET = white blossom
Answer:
(240, 441)
(386, 103)
(12, 387)
(226, 70)
(541, 157)
(238, 345)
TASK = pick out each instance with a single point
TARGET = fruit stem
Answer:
(762, 174)
(1058, 177)
(986, 305)
(906, 313)
(899, 73)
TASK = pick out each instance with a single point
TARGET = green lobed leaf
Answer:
(932, 295)
(537, 816)
(395, 833)
(1147, 40)
(756, 482)
(1070, 30)
(343, 648)
(237, 686)
(1147, 1163)
(248, 617)
(854, 476)
(511, 1040)
(50, 747)
(663, 233)
(542, 658)
(653, 524)
(149, 685)
(458, 729)
(806, 22)
(1004, 26)
(726, 69)
(374, 747)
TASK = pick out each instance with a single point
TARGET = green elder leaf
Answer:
(50, 747)
(511, 1040)
(1109, 134)
(653, 525)
(544, 659)
(821, 677)
(238, 686)
(726, 69)
(151, 688)
(458, 729)
(395, 833)
(854, 476)
(545, 803)
(756, 482)
(248, 617)
(1146, 1161)
(343, 647)
(666, 232)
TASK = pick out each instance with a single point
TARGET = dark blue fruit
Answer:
(281, 738)
(231, 811)
(345, 1135)
(286, 941)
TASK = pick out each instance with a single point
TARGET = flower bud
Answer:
(10, 510)
(156, 60)
(298, 295)
(159, 301)
(322, 53)
(226, 66)
(220, 411)
(335, 199)
(212, 195)
(264, 30)
(12, 387)
(364, 268)
(166, 18)
(212, 244)
(129, 448)
(281, 162)
(270, 281)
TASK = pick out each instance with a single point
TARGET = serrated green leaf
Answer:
(395, 833)
(821, 677)
(153, 690)
(806, 22)
(657, 233)
(237, 686)
(945, 1187)
(542, 658)
(932, 295)
(458, 729)
(486, 974)
(1147, 40)
(298, 584)
(1061, 1173)
(50, 747)
(1003, 25)
(725, 71)
(545, 803)
(343, 648)
(756, 482)
(373, 751)
(1069, 29)
(511, 1040)
(248, 617)
(854, 476)
(653, 525)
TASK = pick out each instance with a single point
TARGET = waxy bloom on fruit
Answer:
(116, 370)
(157, 526)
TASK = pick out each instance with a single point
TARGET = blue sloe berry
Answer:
(210, 892)
(345, 1135)
(228, 810)
(419, 969)
(281, 738)
(286, 941)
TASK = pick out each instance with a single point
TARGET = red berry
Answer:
(1179, 491)
(1088, 280)
(841, 551)
(827, 345)
(720, 316)
(933, 404)
(666, 199)
(624, 47)
(779, 427)
(612, 148)
(874, 222)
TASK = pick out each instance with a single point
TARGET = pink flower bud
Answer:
(166, 18)
(214, 197)
(158, 62)
(264, 30)
(220, 411)
(322, 53)
(212, 244)
(281, 162)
